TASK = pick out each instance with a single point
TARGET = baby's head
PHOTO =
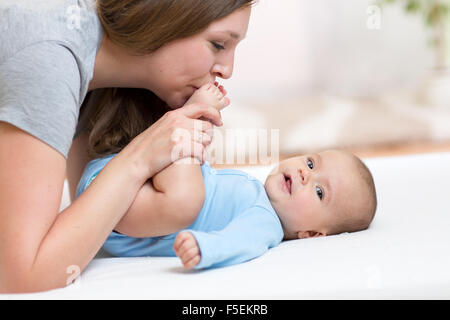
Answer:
(320, 194)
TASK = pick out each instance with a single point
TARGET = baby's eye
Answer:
(319, 192)
(310, 164)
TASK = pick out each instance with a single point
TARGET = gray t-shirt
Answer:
(47, 56)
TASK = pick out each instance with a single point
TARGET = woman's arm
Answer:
(77, 159)
(167, 203)
(38, 246)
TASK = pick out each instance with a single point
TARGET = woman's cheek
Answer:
(201, 63)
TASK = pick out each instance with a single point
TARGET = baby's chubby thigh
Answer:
(184, 186)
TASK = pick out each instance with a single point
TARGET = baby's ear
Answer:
(309, 234)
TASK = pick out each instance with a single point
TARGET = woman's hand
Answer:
(176, 135)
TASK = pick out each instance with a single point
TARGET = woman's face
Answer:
(178, 68)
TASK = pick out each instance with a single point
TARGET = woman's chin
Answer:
(174, 106)
(177, 103)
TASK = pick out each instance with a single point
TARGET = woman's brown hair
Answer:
(114, 116)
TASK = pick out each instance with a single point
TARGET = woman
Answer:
(48, 66)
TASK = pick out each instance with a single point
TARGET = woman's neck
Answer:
(115, 68)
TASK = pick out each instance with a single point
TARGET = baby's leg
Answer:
(173, 198)
(210, 95)
(182, 181)
(167, 203)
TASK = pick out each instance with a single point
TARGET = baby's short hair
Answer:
(357, 221)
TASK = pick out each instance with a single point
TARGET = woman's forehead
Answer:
(235, 24)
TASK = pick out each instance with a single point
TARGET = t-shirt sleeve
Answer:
(246, 237)
(40, 93)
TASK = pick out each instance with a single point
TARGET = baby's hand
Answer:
(187, 249)
(211, 95)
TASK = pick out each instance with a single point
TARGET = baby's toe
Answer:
(218, 93)
(206, 87)
(223, 102)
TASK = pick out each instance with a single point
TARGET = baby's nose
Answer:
(304, 175)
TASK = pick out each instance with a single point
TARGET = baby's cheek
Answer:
(303, 200)
(304, 205)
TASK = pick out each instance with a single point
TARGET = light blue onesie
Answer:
(237, 222)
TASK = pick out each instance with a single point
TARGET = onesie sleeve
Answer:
(91, 171)
(40, 93)
(246, 237)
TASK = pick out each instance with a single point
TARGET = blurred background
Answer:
(368, 76)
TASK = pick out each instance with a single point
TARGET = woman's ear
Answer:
(309, 234)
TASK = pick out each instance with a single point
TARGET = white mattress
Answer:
(404, 254)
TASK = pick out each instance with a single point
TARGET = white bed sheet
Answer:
(404, 254)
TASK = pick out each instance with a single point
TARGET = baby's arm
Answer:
(172, 199)
(246, 237)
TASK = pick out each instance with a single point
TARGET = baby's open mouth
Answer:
(288, 182)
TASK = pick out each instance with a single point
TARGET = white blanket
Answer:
(404, 254)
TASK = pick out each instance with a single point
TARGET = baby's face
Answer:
(308, 192)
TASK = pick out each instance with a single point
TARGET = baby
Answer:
(215, 218)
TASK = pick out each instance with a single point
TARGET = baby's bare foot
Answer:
(210, 95)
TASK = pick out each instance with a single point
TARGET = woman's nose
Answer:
(224, 72)
(224, 69)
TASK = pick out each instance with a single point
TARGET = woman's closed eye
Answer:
(217, 45)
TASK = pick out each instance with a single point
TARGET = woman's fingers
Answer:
(202, 138)
(203, 125)
(198, 131)
(177, 135)
(190, 137)
(189, 149)
(197, 110)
